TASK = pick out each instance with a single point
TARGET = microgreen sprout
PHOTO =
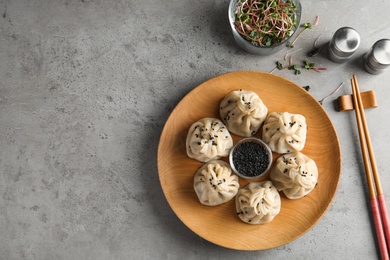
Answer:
(308, 65)
(296, 69)
(306, 26)
(311, 66)
(265, 22)
(279, 65)
(289, 53)
(334, 91)
(316, 50)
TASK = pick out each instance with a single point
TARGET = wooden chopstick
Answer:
(380, 195)
(378, 204)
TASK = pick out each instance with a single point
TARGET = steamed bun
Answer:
(214, 183)
(285, 132)
(258, 202)
(207, 139)
(295, 174)
(243, 112)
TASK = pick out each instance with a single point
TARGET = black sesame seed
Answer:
(250, 159)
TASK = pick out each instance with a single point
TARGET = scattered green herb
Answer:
(306, 65)
(296, 68)
(265, 22)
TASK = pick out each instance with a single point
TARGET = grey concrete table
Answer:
(86, 87)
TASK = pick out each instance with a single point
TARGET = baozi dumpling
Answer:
(295, 174)
(215, 184)
(285, 132)
(258, 202)
(208, 139)
(243, 112)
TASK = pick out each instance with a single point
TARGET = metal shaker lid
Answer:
(345, 42)
(379, 55)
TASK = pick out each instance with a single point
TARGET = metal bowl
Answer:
(260, 147)
(261, 50)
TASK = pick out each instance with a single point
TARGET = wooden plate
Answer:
(220, 224)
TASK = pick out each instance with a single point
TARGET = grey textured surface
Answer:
(85, 89)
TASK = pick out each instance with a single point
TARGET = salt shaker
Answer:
(343, 45)
(377, 60)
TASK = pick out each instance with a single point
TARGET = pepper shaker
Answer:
(377, 60)
(343, 45)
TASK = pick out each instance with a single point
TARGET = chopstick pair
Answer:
(377, 199)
